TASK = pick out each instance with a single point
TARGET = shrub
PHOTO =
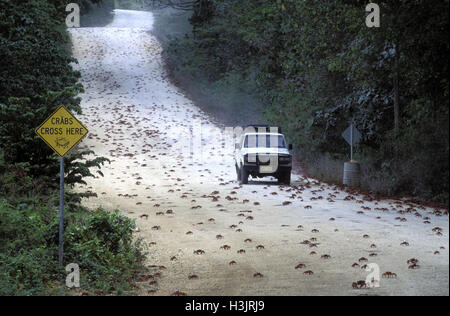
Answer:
(100, 242)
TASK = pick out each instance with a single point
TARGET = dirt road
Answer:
(148, 129)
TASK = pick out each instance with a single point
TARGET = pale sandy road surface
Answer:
(136, 117)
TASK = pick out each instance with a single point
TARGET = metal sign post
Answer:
(352, 136)
(61, 131)
(61, 211)
(351, 141)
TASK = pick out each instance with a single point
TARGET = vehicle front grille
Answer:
(265, 159)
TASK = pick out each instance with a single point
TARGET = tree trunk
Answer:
(397, 90)
(398, 8)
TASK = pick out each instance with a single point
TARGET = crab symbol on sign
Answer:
(352, 136)
(62, 142)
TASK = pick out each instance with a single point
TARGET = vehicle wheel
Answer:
(287, 178)
(284, 178)
(244, 175)
(280, 178)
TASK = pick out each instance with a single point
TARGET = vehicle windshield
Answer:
(264, 141)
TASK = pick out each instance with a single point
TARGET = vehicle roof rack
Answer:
(264, 127)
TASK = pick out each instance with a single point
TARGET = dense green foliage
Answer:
(36, 77)
(96, 13)
(100, 242)
(316, 66)
(131, 4)
(230, 97)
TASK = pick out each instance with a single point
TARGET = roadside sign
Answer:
(62, 131)
(351, 135)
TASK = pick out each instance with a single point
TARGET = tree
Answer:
(316, 65)
(36, 77)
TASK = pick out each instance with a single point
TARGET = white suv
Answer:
(261, 151)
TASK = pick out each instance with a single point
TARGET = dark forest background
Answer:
(312, 67)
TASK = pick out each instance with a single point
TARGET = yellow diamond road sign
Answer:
(62, 131)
